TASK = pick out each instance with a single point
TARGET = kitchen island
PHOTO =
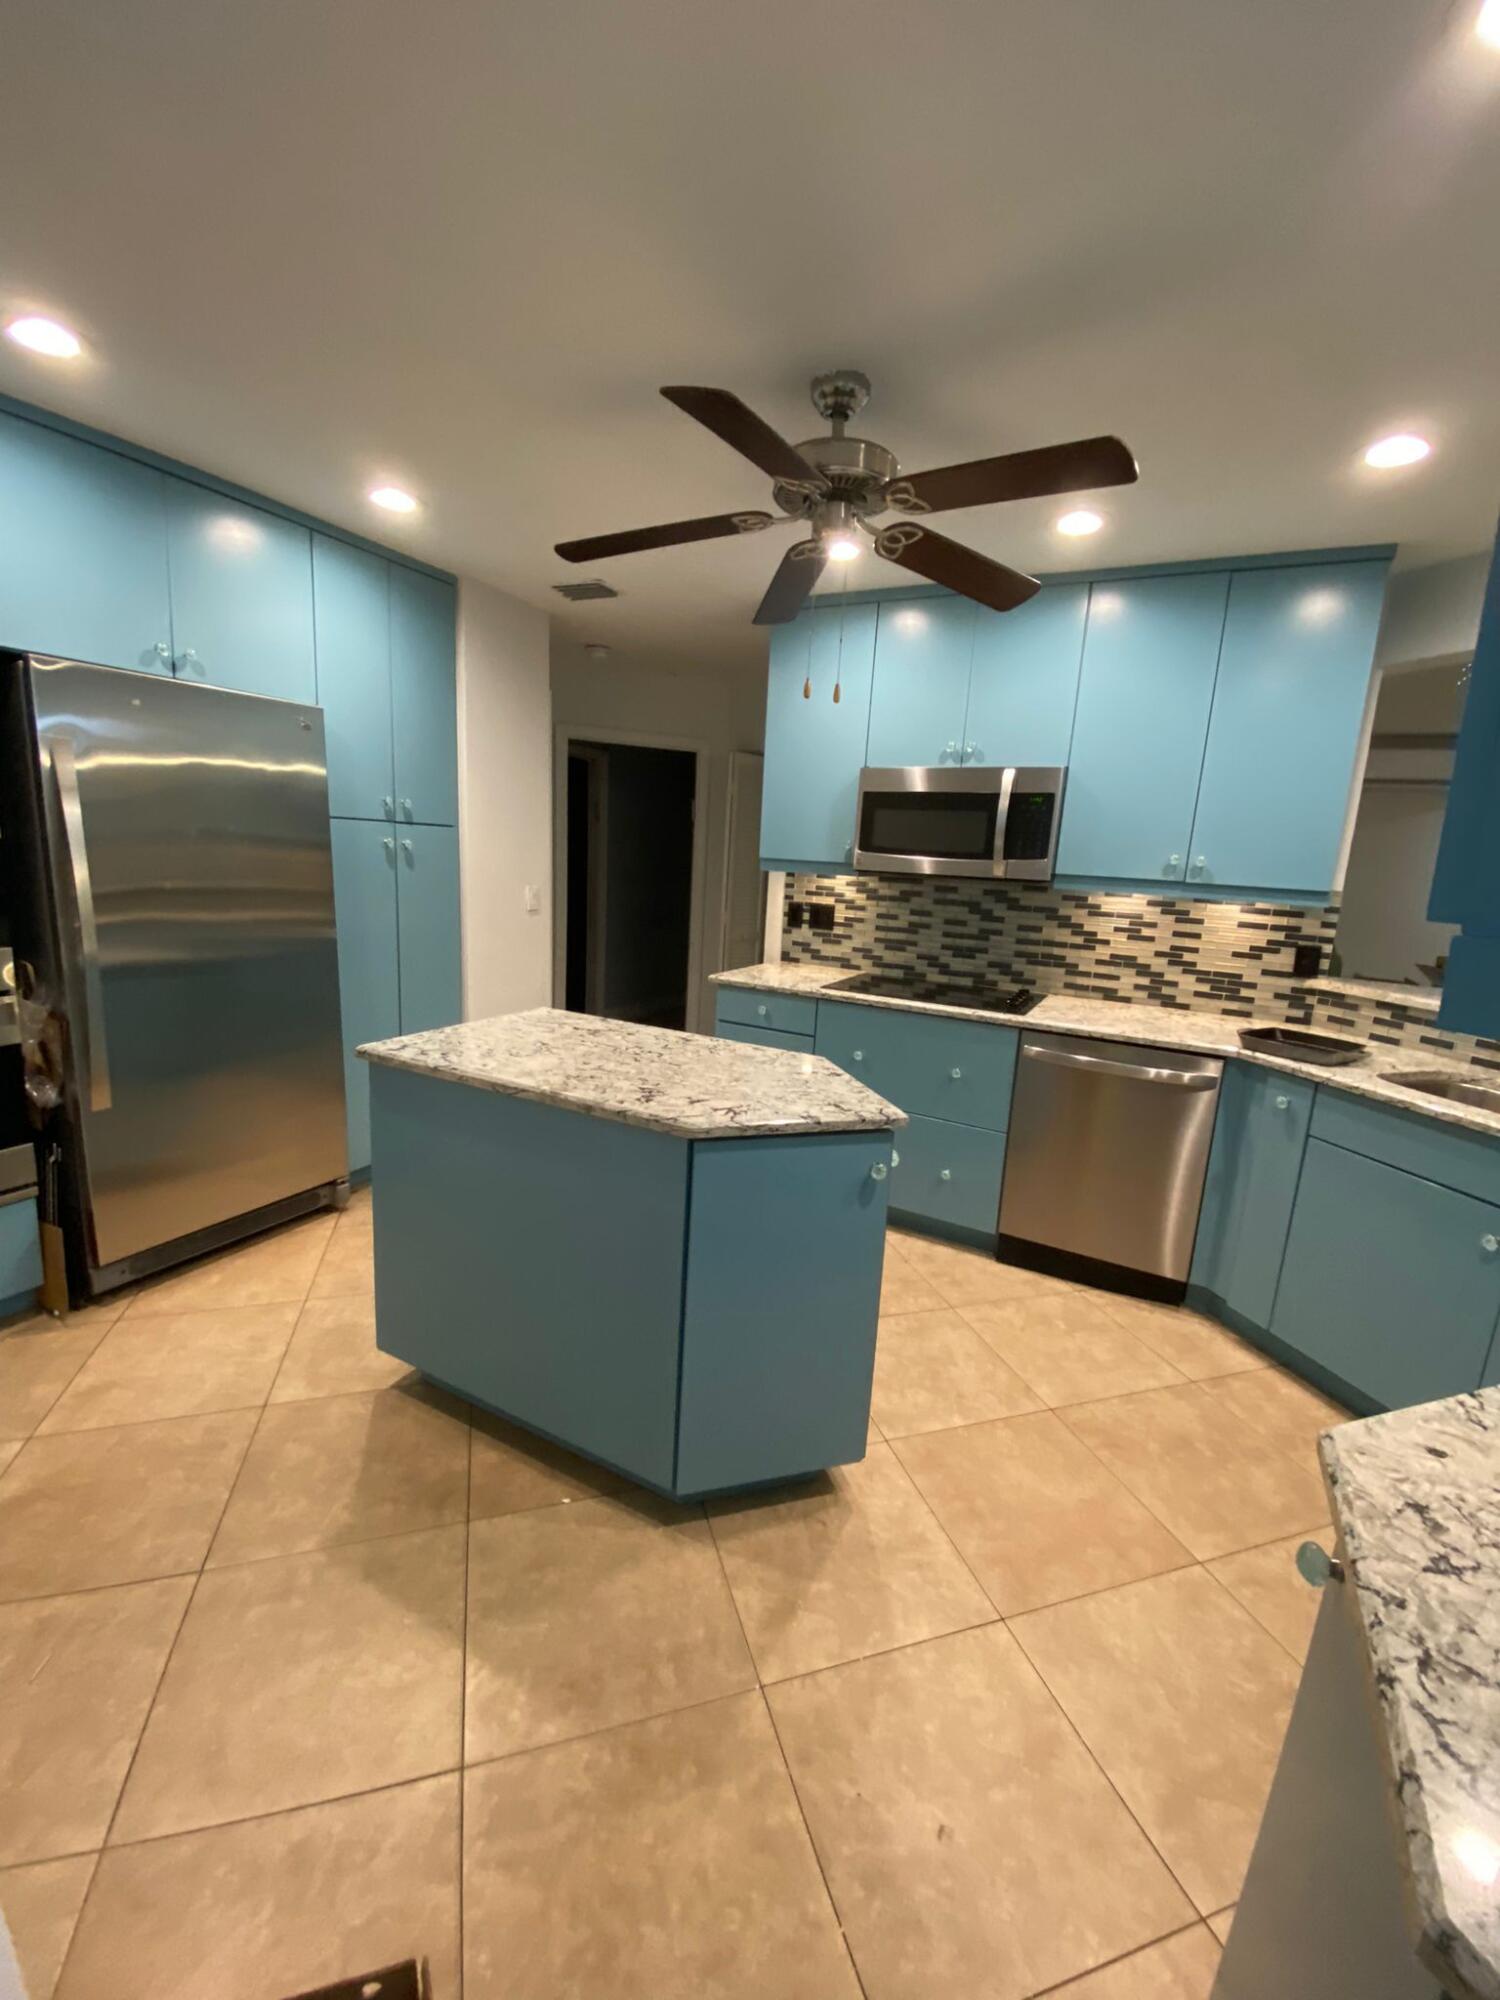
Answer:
(659, 1249)
(1375, 1873)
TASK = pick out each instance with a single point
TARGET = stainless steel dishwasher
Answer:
(1105, 1160)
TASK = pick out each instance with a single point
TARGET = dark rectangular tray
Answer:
(1302, 1045)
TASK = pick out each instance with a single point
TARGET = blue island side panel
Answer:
(783, 1295)
(531, 1258)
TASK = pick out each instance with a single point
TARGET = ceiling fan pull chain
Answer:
(838, 672)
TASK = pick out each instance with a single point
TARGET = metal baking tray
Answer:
(1302, 1045)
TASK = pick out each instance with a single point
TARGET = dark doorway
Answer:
(629, 881)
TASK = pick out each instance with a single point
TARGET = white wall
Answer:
(1432, 613)
(719, 708)
(504, 800)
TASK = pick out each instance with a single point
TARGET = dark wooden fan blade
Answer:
(1018, 475)
(706, 528)
(730, 419)
(955, 567)
(792, 584)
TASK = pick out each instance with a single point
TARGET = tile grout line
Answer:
(463, 1705)
(1059, 1992)
(942, 1528)
(760, 1689)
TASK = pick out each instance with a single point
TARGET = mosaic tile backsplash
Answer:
(1163, 951)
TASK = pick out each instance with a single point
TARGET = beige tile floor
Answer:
(305, 1667)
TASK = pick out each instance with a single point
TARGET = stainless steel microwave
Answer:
(963, 819)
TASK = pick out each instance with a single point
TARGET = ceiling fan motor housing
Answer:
(856, 469)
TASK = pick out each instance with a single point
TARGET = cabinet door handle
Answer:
(760, 1010)
(879, 1171)
(955, 1074)
(856, 1055)
(1489, 1244)
(945, 1174)
(1282, 1103)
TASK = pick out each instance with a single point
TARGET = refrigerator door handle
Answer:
(65, 770)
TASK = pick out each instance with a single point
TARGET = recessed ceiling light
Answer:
(394, 499)
(1402, 448)
(841, 548)
(45, 336)
(1082, 521)
(1487, 27)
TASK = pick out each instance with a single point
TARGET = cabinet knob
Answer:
(1199, 865)
(856, 1055)
(1489, 1244)
(163, 650)
(955, 1074)
(188, 658)
(945, 1174)
(390, 805)
(406, 847)
(1282, 1103)
(406, 807)
(1174, 862)
(952, 749)
(760, 1010)
(895, 1157)
(971, 750)
(1317, 1567)
(879, 1171)
(388, 844)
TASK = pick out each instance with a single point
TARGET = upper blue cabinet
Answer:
(242, 595)
(1149, 662)
(1287, 724)
(351, 603)
(816, 746)
(83, 551)
(424, 698)
(1023, 678)
(920, 692)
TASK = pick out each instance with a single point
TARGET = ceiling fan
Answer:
(837, 483)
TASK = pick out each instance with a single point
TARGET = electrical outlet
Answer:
(1307, 961)
(820, 916)
(796, 916)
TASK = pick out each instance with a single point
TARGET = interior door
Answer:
(188, 829)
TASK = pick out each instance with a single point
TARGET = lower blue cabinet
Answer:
(428, 927)
(948, 1174)
(1259, 1137)
(930, 1065)
(1391, 1283)
(20, 1255)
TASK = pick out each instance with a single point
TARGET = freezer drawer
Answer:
(1108, 1150)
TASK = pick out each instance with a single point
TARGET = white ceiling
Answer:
(313, 242)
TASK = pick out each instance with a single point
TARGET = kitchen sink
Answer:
(1439, 1083)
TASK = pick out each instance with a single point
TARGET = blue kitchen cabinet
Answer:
(20, 1256)
(788, 1013)
(1391, 1283)
(364, 894)
(424, 696)
(242, 595)
(1023, 679)
(929, 1065)
(948, 1174)
(1150, 655)
(1288, 715)
(428, 924)
(920, 688)
(1259, 1136)
(1466, 881)
(815, 748)
(351, 615)
(84, 538)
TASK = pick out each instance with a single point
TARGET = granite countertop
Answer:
(1162, 1027)
(692, 1086)
(1416, 1499)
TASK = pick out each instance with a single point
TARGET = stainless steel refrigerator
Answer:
(165, 867)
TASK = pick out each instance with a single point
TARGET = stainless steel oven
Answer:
(962, 819)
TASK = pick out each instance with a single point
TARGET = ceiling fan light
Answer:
(841, 548)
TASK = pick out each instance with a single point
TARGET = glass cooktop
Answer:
(938, 992)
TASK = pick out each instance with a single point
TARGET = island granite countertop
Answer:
(1416, 1501)
(1159, 1027)
(691, 1086)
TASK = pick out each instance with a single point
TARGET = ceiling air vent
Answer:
(585, 593)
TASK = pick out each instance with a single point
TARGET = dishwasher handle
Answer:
(1177, 1079)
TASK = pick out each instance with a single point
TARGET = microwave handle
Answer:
(1007, 781)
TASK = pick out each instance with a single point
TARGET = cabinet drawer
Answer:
(788, 1013)
(766, 1038)
(948, 1173)
(1468, 1161)
(1389, 1282)
(931, 1066)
